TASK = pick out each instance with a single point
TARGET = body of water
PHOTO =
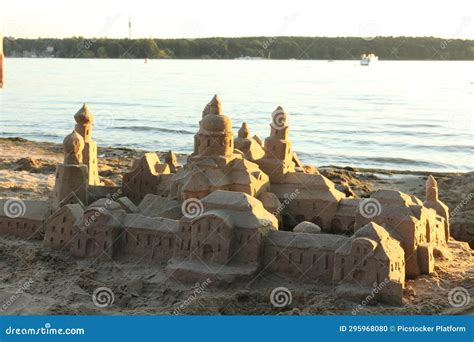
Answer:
(394, 115)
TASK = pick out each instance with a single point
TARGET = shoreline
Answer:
(183, 156)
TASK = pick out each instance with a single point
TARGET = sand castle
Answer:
(237, 209)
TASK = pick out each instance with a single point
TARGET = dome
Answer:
(84, 116)
(216, 123)
(307, 227)
(73, 143)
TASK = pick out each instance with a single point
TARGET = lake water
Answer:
(396, 115)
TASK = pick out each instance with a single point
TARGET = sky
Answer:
(211, 18)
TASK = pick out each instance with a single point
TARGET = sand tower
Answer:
(278, 159)
(215, 137)
(71, 175)
(432, 201)
(213, 164)
(84, 120)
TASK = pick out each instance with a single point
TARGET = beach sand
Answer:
(35, 281)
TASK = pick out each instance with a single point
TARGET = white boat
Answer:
(248, 58)
(366, 59)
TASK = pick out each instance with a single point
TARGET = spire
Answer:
(213, 107)
(84, 116)
(431, 189)
(244, 131)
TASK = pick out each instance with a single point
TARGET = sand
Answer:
(36, 281)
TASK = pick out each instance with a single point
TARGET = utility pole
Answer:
(129, 28)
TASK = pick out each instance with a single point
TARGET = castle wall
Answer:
(149, 244)
(21, 227)
(209, 239)
(307, 264)
(306, 257)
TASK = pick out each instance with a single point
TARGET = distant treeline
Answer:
(388, 48)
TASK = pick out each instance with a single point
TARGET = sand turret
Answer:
(84, 120)
(433, 202)
(172, 161)
(215, 136)
(73, 145)
(278, 159)
(431, 189)
(244, 132)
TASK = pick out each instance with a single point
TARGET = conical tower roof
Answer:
(214, 121)
(213, 107)
(84, 115)
(244, 131)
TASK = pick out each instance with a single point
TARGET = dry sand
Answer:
(36, 281)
